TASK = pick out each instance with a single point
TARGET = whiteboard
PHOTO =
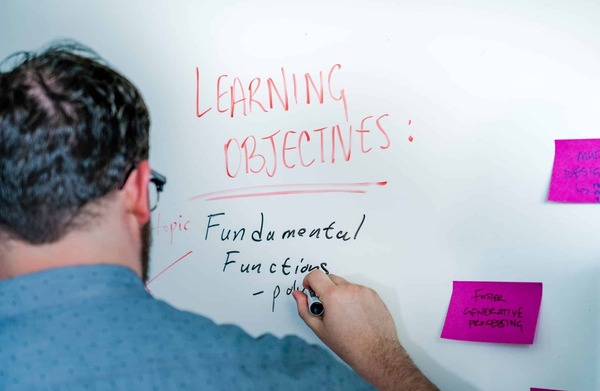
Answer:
(428, 138)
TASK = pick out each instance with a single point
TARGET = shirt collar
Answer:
(67, 286)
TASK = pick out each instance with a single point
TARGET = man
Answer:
(74, 239)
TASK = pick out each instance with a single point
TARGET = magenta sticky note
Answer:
(576, 171)
(542, 389)
(501, 312)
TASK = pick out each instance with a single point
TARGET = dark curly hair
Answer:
(70, 129)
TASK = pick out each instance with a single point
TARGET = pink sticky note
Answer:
(543, 389)
(576, 171)
(502, 312)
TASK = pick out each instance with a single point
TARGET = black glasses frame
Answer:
(159, 181)
(156, 178)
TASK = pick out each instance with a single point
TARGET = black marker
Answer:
(314, 304)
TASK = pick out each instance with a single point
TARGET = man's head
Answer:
(71, 129)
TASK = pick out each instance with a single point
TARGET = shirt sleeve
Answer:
(309, 364)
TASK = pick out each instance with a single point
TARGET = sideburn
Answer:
(145, 250)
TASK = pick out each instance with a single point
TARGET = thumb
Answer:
(314, 322)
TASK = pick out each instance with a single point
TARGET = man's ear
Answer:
(136, 192)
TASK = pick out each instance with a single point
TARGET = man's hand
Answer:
(358, 327)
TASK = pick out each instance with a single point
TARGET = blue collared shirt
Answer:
(96, 328)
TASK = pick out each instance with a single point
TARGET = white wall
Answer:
(486, 87)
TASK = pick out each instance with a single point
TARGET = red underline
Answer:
(167, 268)
(303, 188)
(272, 193)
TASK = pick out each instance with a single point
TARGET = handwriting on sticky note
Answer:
(576, 171)
(502, 312)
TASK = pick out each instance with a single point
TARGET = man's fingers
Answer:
(337, 280)
(317, 281)
(311, 321)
